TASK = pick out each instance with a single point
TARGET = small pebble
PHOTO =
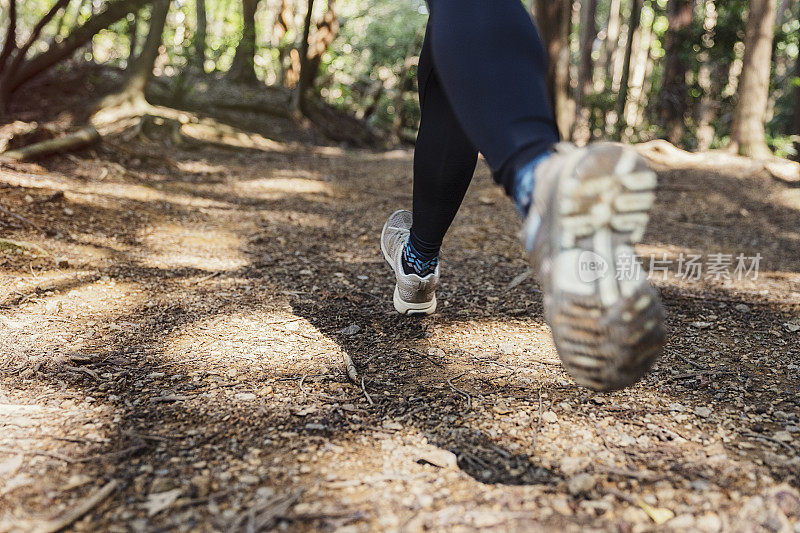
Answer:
(703, 412)
(581, 484)
(549, 417)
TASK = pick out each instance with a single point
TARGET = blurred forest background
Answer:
(702, 74)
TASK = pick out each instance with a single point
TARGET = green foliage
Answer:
(370, 69)
(370, 58)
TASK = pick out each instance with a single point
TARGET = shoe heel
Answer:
(407, 308)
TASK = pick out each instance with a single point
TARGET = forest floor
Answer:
(181, 335)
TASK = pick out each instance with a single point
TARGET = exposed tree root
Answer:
(665, 152)
(71, 516)
(68, 143)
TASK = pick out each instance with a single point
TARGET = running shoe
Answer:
(412, 294)
(590, 206)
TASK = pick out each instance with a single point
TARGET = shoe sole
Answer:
(406, 308)
(611, 331)
(400, 305)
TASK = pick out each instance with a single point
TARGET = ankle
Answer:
(524, 183)
(419, 263)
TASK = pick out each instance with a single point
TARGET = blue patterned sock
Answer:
(416, 263)
(524, 181)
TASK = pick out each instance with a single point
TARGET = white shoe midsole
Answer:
(407, 308)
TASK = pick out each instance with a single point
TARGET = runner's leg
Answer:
(444, 162)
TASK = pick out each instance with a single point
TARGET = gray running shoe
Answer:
(412, 294)
(590, 205)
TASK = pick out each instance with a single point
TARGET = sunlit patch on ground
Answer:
(789, 198)
(207, 248)
(264, 341)
(279, 187)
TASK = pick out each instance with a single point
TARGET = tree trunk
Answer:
(21, 52)
(588, 33)
(200, 35)
(318, 43)
(796, 131)
(114, 10)
(281, 27)
(298, 99)
(141, 70)
(622, 98)
(553, 18)
(674, 93)
(11, 36)
(612, 37)
(710, 77)
(243, 69)
(640, 75)
(748, 137)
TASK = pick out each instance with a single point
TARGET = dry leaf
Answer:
(659, 515)
(158, 501)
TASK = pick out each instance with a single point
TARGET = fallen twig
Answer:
(352, 373)
(21, 218)
(426, 356)
(621, 495)
(206, 278)
(366, 394)
(769, 439)
(282, 321)
(693, 363)
(460, 392)
(71, 516)
(538, 423)
(695, 375)
(53, 455)
(624, 472)
(264, 514)
(518, 279)
(125, 452)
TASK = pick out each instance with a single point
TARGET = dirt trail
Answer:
(185, 338)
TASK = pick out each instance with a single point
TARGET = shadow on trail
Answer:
(327, 269)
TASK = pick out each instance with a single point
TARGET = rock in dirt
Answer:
(350, 330)
(507, 348)
(793, 326)
(245, 396)
(581, 484)
(703, 412)
(572, 465)
(438, 457)
(10, 466)
(549, 417)
(709, 522)
(788, 502)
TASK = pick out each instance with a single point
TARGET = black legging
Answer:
(481, 88)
